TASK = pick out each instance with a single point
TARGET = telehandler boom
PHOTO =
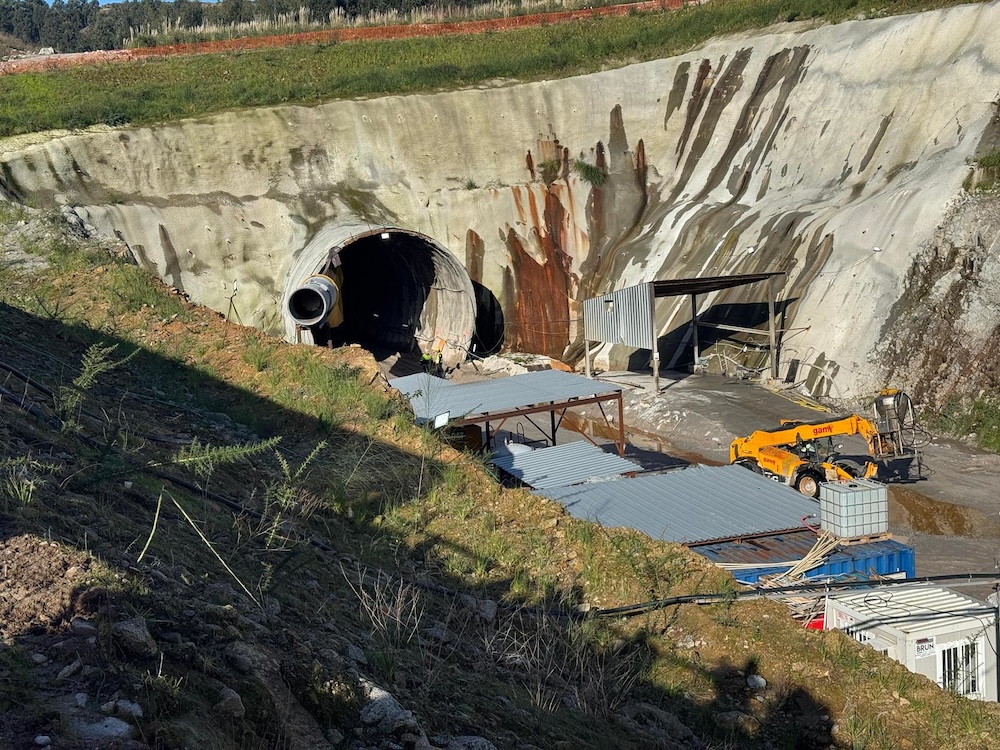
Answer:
(803, 454)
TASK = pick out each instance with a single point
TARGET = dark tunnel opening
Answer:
(399, 292)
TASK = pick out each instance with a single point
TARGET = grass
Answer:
(159, 90)
(258, 352)
(133, 289)
(17, 686)
(865, 732)
(590, 173)
(990, 159)
(987, 177)
(445, 525)
(20, 478)
(977, 419)
(11, 213)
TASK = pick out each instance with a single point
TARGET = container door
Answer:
(962, 667)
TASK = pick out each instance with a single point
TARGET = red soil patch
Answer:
(55, 62)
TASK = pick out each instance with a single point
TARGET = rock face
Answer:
(828, 154)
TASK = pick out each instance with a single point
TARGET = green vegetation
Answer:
(11, 213)
(158, 90)
(69, 399)
(20, 478)
(549, 170)
(989, 160)
(977, 418)
(133, 289)
(17, 686)
(590, 173)
(258, 351)
(987, 176)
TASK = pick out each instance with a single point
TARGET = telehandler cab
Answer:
(803, 454)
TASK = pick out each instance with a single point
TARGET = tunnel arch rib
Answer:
(401, 291)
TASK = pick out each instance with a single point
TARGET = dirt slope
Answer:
(358, 584)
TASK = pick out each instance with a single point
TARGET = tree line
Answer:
(84, 25)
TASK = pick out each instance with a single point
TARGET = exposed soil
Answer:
(296, 662)
(38, 580)
(912, 510)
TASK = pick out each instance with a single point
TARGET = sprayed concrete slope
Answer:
(830, 154)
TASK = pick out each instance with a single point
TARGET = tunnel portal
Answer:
(400, 291)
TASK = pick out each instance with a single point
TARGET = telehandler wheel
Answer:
(808, 483)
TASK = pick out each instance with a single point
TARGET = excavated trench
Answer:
(401, 292)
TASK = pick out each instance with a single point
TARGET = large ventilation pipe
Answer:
(398, 290)
(314, 301)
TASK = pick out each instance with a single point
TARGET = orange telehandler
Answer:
(803, 454)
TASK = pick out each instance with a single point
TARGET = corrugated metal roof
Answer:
(918, 609)
(563, 465)
(677, 287)
(624, 316)
(431, 396)
(689, 505)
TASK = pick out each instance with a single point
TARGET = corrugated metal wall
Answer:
(621, 317)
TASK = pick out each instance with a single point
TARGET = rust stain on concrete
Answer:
(535, 293)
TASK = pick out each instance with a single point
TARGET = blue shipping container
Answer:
(883, 558)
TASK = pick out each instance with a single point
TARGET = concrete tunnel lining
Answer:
(401, 291)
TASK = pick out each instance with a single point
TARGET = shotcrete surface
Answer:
(830, 154)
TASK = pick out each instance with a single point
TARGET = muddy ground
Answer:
(951, 516)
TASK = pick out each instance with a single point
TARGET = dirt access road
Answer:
(951, 518)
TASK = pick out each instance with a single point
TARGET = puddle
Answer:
(923, 514)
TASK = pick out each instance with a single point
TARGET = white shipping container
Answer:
(933, 631)
(858, 507)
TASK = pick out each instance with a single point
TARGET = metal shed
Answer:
(933, 631)
(439, 402)
(697, 503)
(563, 465)
(750, 559)
(628, 315)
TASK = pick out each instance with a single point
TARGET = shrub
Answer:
(590, 173)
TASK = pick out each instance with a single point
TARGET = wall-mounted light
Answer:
(384, 235)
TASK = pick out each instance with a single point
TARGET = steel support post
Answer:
(771, 328)
(694, 332)
(652, 338)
